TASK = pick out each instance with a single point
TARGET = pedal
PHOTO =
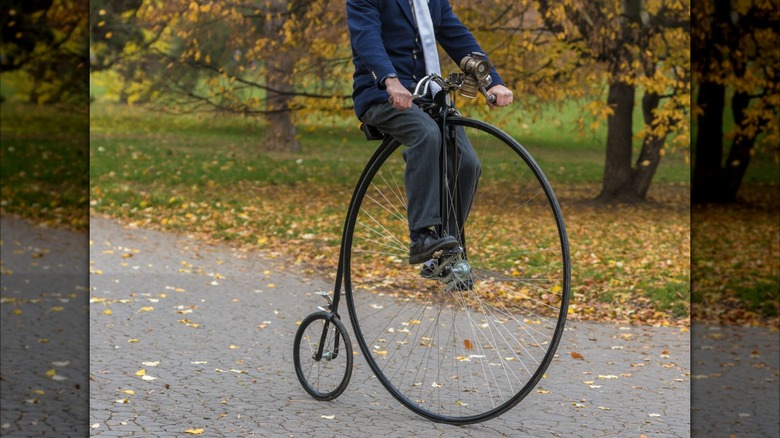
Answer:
(443, 261)
(450, 255)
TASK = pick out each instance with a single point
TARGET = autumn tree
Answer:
(112, 28)
(47, 40)
(736, 55)
(271, 59)
(643, 46)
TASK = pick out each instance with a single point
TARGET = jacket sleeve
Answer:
(458, 41)
(365, 33)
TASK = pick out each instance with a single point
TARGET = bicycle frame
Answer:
(442, 109)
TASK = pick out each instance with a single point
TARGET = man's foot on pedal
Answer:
(427, 243)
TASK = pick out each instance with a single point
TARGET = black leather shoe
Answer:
(428, 243)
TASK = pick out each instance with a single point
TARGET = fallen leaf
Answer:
(140, 373)
(467, 344)
(194, 431)
(328, 417)
(577, 356)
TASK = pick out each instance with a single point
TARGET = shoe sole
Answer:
(425, 256)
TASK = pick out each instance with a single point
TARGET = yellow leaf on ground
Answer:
(140, 373)
(194, 431)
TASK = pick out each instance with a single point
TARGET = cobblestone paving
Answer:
(44, 320)
(211, 327)
(736, 382)
(189, 337)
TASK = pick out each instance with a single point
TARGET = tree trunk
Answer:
(649, 157)
(617, 169)
(617, 182)
(709, 177)
(739, 155)
(280, 133)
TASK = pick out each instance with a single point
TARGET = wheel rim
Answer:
(449, 355)
(326, 378)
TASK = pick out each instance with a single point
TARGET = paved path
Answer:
(176, 308)
(212, 329)
(44, 386)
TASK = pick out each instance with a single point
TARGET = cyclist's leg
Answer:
(415, 129)
(464, 170)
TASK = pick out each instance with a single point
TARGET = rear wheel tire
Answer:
(327, 376)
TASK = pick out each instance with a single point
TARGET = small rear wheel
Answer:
(322, 353)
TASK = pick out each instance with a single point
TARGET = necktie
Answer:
(425, 28)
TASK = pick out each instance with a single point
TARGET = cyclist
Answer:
(388, 58)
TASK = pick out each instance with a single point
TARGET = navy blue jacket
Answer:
(384, 40)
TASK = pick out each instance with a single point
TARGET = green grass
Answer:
(208, 174)
(44, 168)
(226, 149)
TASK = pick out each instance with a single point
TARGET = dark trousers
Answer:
(417, 130)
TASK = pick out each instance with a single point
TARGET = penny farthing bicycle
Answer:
(469, 336)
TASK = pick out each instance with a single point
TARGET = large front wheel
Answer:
(468, 343)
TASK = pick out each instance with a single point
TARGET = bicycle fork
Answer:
(321, 354)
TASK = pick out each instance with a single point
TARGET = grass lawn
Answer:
(45, 167)
(207, 175)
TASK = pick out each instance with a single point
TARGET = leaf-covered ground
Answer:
(736, 259)
(205, 176)
(630, 264)
(45, 165)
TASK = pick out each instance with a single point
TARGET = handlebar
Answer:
(446, 85)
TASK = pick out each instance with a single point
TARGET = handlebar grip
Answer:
(491, 98)
(414, 97)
